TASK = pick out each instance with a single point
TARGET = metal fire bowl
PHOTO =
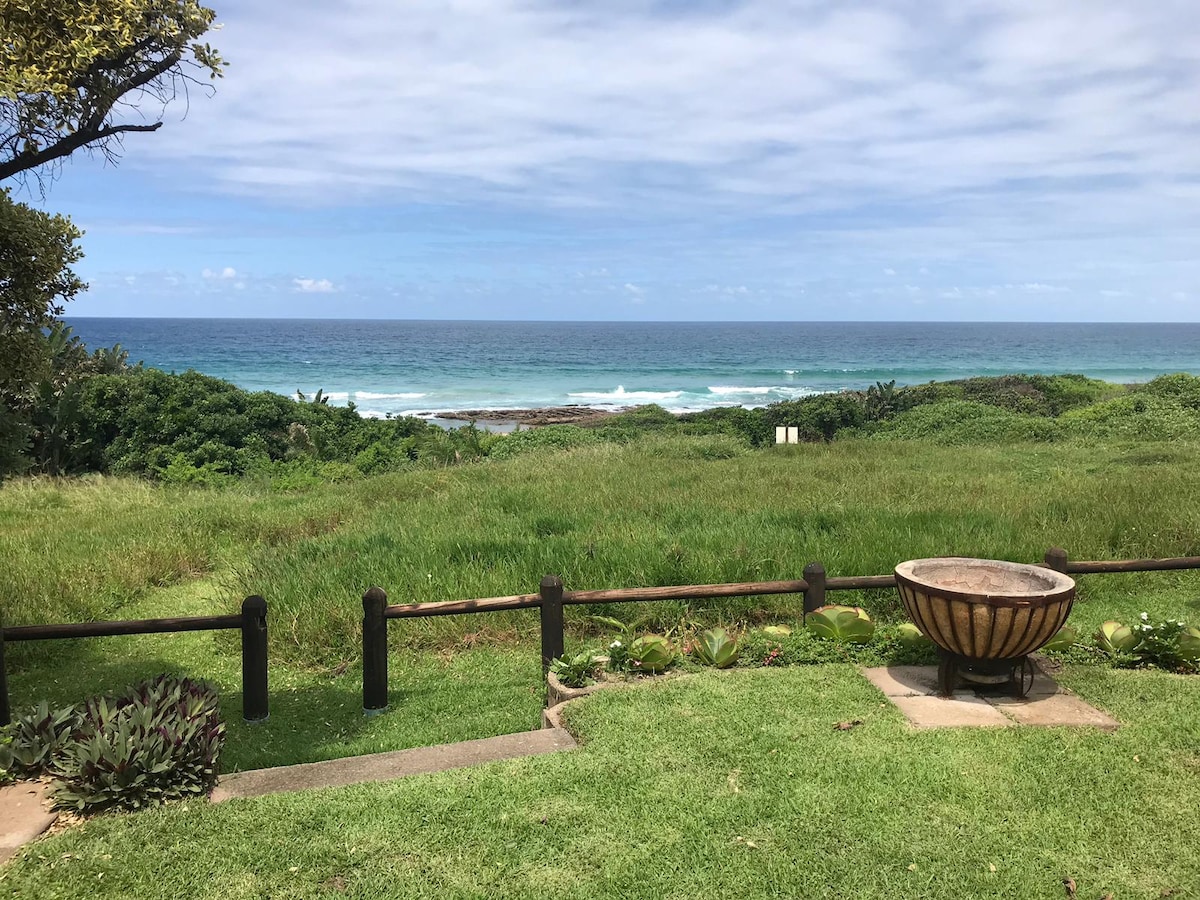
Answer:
(984, 609)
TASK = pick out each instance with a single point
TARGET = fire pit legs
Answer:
(947, 675)
(1017, 674)
(1022, 676)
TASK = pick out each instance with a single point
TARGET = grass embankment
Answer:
(729, 784)
(656, 511)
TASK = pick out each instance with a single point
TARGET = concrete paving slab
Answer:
(394, 764)
(950, 712)
(903, 681)
(23, 815)
(1054, 709)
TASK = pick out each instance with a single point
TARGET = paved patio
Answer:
(914, 691)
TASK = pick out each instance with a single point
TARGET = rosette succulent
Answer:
(1063, 639)
(1189, 644)
(912, 636)
(841, 623)
(651, 653)
(1114, 638)
(716, 647)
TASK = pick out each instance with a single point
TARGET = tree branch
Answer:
(65, 147)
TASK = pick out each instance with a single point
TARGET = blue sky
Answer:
(528, 159)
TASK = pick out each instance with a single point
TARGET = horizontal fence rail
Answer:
(252, 621)
(550, 601)
(551, 598)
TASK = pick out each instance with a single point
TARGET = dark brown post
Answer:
(551, 590)
(375, 662)
(5, 715)
(254, 659)
(814, 596)
(1056, 559)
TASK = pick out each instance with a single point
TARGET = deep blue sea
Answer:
(421, 368)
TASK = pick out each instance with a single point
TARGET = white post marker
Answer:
(793, 434)
(780, 434)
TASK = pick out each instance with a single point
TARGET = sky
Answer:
(957, 160)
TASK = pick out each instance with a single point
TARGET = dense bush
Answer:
(1182, 388)
(965, 422)
(158, 741)
(192, 428)
(1141, 415)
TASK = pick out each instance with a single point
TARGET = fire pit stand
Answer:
(1017, 674)
(985, 616)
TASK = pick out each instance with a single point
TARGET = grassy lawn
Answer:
(729, 784)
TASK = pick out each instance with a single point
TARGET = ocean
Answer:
(423, 367)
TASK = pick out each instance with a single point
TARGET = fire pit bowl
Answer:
(985, 615)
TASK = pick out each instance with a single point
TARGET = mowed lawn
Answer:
(721, 784)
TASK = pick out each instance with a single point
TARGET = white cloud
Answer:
(889, 271)
(314, 285)
(223, 274)
(806, 106)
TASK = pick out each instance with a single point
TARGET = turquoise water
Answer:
(421, 368)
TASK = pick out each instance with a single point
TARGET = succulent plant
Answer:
(777, 631)
(716, 647)
(1189, 644)
(841, 623)
(1063, 639)
(578, 671)
(651, 653)
(1114, 638)
(912, 636)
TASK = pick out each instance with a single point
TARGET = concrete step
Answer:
(393, 764)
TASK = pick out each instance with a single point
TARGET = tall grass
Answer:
(664, 509)
(80, 549)
(652, 513)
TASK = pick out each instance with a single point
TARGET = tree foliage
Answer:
(70, 69)
(37, 251)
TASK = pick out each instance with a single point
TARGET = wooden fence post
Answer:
(814, 596)
(5, 715)
(1056, 559)
(375, 662)
(254, 659)
(551, 591)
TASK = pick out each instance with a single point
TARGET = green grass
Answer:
(729, 784)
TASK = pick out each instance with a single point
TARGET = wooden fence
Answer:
(252, 621)
(551, 598)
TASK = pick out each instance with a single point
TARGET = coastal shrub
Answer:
(750, 425)
(1141, 415)
(1180, 387)
(820, 417)
(540, 440)
(192, 428)
(965, 422)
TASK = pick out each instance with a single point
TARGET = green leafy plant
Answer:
(911, 636)
(777, 631)
(29, 745)
(651, 653)
(716, 647)
(841, 623)
(158, 742)
(1116, 639)
(1162, 643)
(1064, 639)
(579, 671)
(1189, 645)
